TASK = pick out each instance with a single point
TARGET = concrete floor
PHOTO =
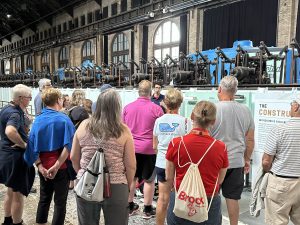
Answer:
(71, 217)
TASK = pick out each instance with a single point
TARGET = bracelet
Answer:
(37, 164)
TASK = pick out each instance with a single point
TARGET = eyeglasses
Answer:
(294, 102)
(29, 97)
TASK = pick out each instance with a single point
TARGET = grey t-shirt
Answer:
(232, 123)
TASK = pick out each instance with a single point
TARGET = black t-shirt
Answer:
(14, 116)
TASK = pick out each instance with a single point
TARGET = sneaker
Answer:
(134, 209)
(149, 214)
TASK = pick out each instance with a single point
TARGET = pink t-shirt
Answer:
(140, 117)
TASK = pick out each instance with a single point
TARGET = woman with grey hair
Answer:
(106, 130)
(14, 173)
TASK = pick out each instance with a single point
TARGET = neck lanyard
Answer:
(200, 132)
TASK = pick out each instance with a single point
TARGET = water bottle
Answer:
(107, 191)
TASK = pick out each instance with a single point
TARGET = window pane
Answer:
(115, 46)
(114, 60)
(167, 32)
(165, 51)
(157, 54)
(175, 52)
(175, 33)
(157, 39)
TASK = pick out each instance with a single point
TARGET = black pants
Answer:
(60, 187)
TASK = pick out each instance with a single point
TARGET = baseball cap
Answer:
(103, 88)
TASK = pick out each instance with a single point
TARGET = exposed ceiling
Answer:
(18, 14)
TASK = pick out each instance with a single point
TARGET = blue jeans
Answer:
(214, 214)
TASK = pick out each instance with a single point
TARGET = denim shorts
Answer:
(214, 214)
(160, 174)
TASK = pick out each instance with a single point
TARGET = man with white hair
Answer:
(14, 174)
(38, 103)
(281, 159)
(235, 127)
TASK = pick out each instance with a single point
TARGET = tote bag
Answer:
(91, 184)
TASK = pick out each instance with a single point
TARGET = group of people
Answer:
(146, 141)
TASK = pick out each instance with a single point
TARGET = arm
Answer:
(13, 135)
(129, 158)
(155, 143)
(249, 149)
(62, 158)
(76, 153)
(222, 174)
(170, 174)
(267, 162)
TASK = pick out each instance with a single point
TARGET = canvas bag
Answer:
(191, 200)
(91, 184)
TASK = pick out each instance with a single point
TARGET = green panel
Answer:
(191, 97)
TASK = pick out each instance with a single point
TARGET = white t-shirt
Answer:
(166, 128)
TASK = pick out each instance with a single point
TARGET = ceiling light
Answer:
(151, 14)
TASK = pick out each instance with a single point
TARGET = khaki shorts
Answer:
(282, 201)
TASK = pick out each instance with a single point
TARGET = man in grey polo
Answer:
(235, 127)
(44, 83)
(282, 159)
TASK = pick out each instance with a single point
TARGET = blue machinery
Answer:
(253, 66)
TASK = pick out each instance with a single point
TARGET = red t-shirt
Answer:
(197, 144)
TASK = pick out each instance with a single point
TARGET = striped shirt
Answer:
(284, 144)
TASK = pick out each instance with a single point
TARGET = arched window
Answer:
(18, 64)
(120, 48)
(87, 51)
(63, 58)
(166, 41)
(7, 67)
(45, 61)
(29, 63)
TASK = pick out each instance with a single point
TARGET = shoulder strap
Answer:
(189, 154)
(181, 141)
(213, 194)
(206, 151)
(70, 109)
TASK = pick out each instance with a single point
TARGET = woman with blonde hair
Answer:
(14, 173)
(167, 127)
(212, 168)
(106, 130)
(77, 112)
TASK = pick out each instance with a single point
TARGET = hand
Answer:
(247, 166)
(43, 171)
(20, 146)
(51, 173)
